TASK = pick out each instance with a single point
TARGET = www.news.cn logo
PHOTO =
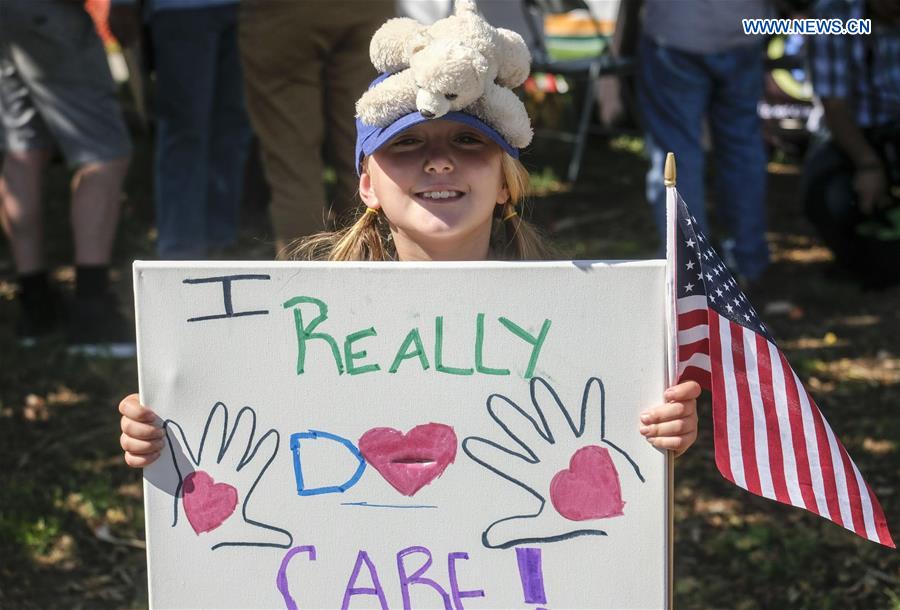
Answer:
(806, 27)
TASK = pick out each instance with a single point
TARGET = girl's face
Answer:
(437, 184)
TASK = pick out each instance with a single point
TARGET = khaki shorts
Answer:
(55, 84)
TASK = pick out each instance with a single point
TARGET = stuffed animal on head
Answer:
(459, 63)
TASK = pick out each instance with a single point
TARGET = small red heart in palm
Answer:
(207, 504)
(589, 488)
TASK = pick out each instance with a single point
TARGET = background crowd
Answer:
(290, 72)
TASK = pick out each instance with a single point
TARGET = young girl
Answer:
(434, 189)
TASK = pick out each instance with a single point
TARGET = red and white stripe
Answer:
(770, 437)
(693, 340)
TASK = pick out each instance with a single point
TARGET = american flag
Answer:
(770, 437)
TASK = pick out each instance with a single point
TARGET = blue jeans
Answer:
(676, 91)
(202, 130)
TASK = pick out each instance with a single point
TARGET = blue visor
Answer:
(370, 138)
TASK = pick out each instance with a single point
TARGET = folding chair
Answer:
(587, 69)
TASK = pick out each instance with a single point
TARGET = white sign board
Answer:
(353, 435)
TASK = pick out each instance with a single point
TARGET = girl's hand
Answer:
(673, 425)
(141, 439)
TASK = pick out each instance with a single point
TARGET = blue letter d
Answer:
(298, 468)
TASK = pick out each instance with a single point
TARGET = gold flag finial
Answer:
(669, 171)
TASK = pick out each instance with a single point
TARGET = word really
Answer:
(350, 359)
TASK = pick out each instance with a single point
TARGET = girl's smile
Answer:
(440, 193)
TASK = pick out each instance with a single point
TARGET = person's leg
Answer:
(349, 74)
(829, 200)
(20, 207)
(281, 54)
(740, 156)
(96, 192)
(27, 148)
(673, 91)
(185, 47)
(229, 136)
(95, 324)
(96, 189)
(21, 218)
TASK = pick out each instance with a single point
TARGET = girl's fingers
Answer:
(139, 430)
(689, 390)
(673, 426)
(132, 408)
(141, 440)
(678, 427)
(678, 444)
(140, 461)
(670, 412)
(140, 447)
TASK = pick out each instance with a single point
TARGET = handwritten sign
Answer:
(384, 435)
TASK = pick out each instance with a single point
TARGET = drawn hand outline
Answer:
(258, 456)
(488, 454)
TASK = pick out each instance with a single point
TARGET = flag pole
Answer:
(669, 182)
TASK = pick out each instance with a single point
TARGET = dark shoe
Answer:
(38, 321)
(96, 328)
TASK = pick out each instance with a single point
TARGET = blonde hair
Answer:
(369, 239)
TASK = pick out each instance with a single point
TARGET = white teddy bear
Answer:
(459, 62)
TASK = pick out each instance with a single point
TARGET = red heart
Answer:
(409, 461)
(207, 504)
(589, 489)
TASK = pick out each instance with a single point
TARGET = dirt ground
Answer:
(71, 514)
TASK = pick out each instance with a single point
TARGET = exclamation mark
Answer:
(532, 576)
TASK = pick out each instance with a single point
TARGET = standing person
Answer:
(695, 63)
(305, 63)
(202, 130)
(56, 91)
(434, 189)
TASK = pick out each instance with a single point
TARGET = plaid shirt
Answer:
(865, 70)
